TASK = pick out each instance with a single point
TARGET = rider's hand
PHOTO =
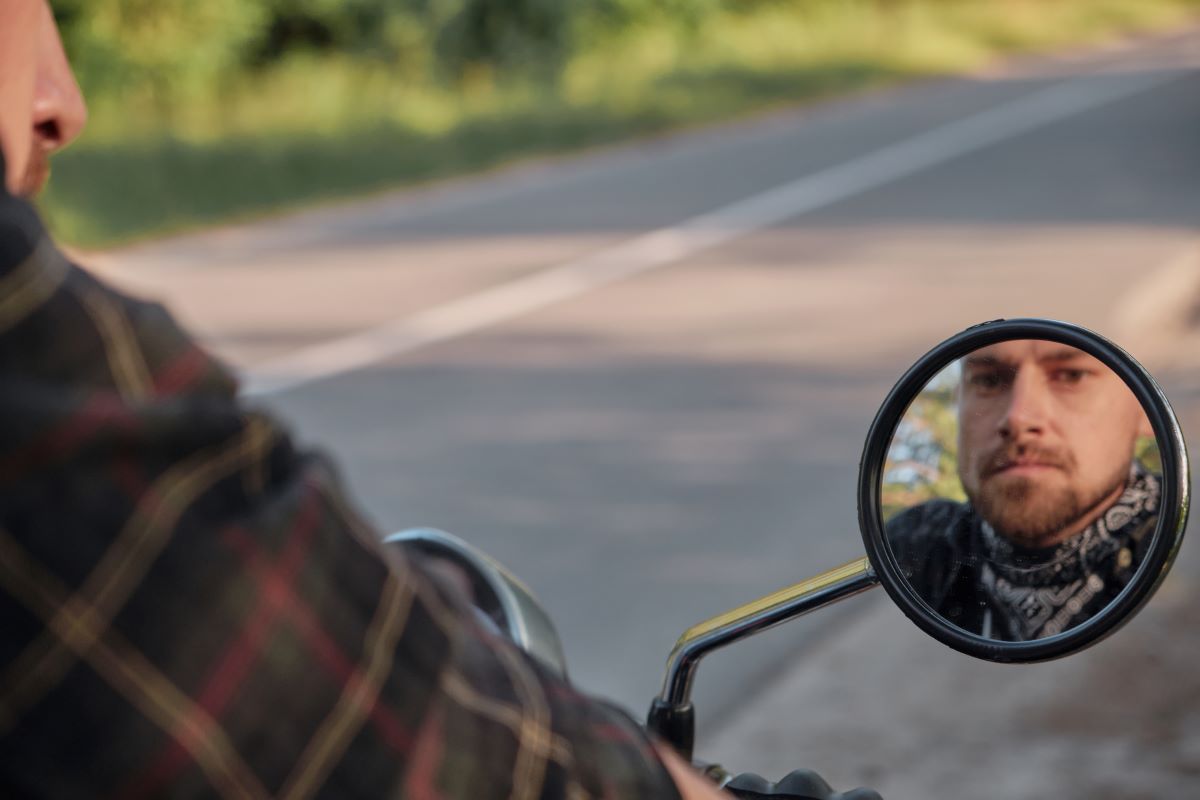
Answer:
(802, 784)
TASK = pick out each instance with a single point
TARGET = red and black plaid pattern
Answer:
(190, 609)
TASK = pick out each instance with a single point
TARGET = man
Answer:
(1059, 514)
(189, 606)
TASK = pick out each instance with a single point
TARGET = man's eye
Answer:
(1068, 376)
(986, 381)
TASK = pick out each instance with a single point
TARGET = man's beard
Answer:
(1025, 510)
(37, 172)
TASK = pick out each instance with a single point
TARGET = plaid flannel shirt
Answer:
(190, 608)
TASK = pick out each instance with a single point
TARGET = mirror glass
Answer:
(1021, 490)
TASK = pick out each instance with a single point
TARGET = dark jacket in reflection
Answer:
(987, 585)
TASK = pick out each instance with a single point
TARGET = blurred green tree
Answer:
(922, 462)
(504, 35)
(166, 48)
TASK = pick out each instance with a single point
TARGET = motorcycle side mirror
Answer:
(1022, 492)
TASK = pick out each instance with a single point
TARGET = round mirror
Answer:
(1023, 490)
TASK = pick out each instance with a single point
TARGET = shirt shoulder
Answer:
(932, 543)
(929, 526)
(191, 604)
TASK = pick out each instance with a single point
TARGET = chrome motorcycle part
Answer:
(671, 714)
(504, 602)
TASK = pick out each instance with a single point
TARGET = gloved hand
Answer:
(801, 784)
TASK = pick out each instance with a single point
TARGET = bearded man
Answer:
(1059, 511)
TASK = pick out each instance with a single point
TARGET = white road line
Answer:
(672, 244)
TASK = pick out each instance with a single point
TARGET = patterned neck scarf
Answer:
(1041, 592)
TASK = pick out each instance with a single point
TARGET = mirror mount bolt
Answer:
(676, 725)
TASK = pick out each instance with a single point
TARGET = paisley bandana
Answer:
(1041, 592)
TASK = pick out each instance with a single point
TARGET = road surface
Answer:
(642, 377)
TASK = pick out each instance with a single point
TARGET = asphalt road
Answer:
(651, 430)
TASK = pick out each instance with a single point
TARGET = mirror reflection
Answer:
(1021, 489)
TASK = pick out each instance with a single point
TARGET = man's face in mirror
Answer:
(41, 109)
(1046, 438)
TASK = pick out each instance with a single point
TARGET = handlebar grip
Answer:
(801, 784)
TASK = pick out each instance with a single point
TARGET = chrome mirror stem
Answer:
(671, 714)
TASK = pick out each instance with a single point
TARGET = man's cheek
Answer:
(17, 70)
(15, 141)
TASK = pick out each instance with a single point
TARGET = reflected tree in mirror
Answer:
(1148, 455)
(922, 463)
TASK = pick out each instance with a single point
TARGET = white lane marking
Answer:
(669, 245)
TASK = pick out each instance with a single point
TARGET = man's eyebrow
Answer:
(985, 361)
(1055, 356)
(1064, 354)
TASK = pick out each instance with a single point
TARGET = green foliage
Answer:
(399, 33)
(922, 462)
(1148, 455)
(627, 13)
(220, 108)
(520, 35)
(171, 47)
(168, 48)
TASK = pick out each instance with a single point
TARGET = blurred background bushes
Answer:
(166, 49)
(214, 110)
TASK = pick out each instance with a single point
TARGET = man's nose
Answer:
(59, 112)
(1026, 412)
